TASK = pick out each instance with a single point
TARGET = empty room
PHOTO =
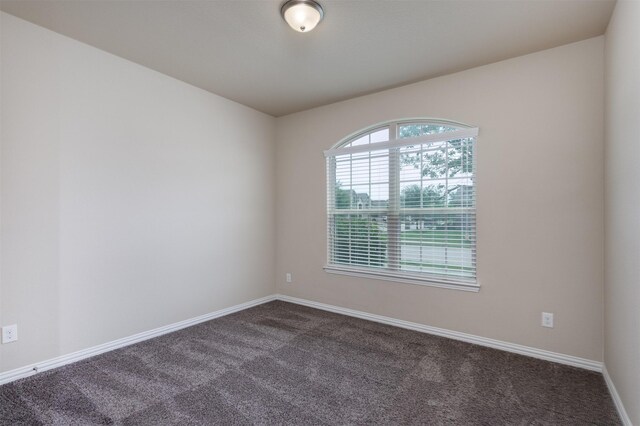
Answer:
(320, 212)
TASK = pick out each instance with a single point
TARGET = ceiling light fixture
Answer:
(302, 15)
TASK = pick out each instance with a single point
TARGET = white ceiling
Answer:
(244, 51)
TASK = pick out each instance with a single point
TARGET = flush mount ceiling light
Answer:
(302, 15)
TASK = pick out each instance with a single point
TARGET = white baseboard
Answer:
(29, 370)
(626, 421)
(470, 338)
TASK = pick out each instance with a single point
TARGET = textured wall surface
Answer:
(622, 205)
(130, 200)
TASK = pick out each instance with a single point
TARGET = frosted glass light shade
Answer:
(302, 15)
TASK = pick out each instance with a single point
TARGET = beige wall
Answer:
(540, 200)
(130, 200)
(622, 205)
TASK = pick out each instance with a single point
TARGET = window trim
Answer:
(462, 131)
(466, 133)
(406, 278)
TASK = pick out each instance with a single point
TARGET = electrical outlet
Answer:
(10, 333)
(547, 319)
(289, 277)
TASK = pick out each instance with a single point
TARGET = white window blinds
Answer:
(401, 203)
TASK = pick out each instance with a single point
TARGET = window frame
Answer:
(396, 274)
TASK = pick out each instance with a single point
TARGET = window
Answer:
(401, 204)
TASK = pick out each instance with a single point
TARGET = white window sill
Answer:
(407, 279)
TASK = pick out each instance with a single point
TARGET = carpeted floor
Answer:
(281, 363)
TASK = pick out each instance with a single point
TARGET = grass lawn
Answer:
(435, 238)
(462, 269)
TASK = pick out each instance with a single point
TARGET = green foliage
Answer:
(436, 238)
(460, 157)
(343, 198)
(412, 130)
(435, 196)
(453, 159)
(450, 160)
(462, 196)
(432, 196)
(359, 241)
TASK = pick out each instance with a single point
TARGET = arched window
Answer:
(401, 203)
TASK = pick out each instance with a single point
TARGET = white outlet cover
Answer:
(288, 277)
(547, 319)
(10, 333)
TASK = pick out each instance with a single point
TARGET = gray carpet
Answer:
(281, 363)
